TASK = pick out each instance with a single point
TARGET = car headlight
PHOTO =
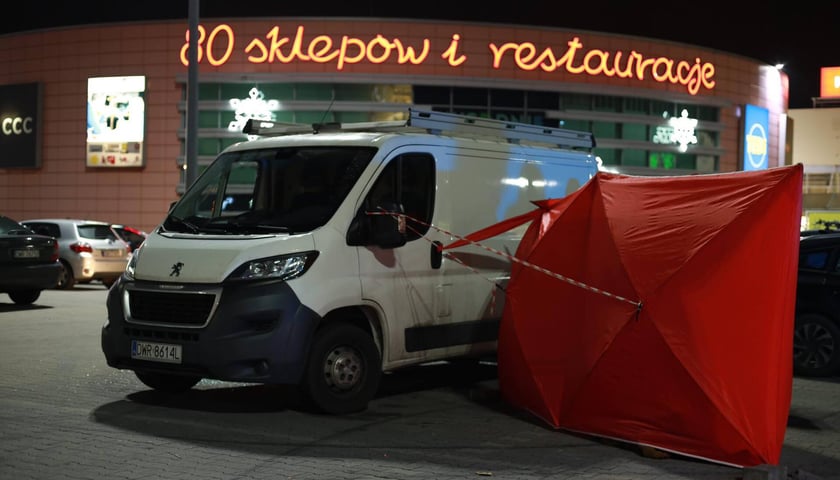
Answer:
(282, 267)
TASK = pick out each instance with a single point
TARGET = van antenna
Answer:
(319, 125)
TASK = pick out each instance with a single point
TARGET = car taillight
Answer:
(81, 247)
(54, 255)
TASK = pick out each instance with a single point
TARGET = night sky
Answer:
(803, 35)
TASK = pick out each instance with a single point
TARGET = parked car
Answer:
(130, 235)
(28, 262)
(87, 249)
(816, 342)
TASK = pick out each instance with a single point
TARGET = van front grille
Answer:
(178, 309)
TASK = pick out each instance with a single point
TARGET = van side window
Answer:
(408, 180)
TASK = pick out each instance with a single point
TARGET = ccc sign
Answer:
(16, 125)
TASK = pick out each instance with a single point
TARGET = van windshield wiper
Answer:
(176, 220)
(234, 225)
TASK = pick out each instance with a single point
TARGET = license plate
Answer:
(156, 352)
(111, 253)
(26, 254)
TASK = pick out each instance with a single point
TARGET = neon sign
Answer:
(219, 46)
(680, 130)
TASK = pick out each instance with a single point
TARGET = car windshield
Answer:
(11, 227)
(96, 232)
(277, 190)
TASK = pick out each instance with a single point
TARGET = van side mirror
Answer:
(382, 230)
(388, 231)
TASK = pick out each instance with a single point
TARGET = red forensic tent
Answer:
(658, 311)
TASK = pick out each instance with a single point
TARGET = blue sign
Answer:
(756, 144)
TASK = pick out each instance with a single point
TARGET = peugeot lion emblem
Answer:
(176, 269)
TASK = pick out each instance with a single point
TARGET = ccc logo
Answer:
(16, 125)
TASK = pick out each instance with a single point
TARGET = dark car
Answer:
(28, 262)
(816, 341)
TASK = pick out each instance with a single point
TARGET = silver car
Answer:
(88, 249)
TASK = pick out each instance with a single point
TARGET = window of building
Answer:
(314, 91)
(424, 95)
(507, 98)
(572, 101)
(686, 161)
(470, 97)
(584, 125)
(631, 157)
(637, 106)
(663, 160)
(208, 119)
(543, 100)
(605, 103)
(605, 130)
(657, 108)
(607, 155)
(634, 131)
(708, 114)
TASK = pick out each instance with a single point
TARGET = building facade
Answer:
(655, 107)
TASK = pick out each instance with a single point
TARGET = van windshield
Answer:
(289, 189)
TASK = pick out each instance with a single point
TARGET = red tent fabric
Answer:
(659, 311)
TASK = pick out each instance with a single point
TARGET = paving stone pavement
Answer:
(64, 414)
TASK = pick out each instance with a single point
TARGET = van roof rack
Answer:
(437, 123)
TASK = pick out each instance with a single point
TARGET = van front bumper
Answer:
(255, 332)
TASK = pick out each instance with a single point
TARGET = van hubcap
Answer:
(343, 368)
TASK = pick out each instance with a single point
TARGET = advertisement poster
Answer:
(116, 112)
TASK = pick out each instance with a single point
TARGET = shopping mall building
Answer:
(94, 117)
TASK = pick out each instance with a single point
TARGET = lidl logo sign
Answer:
(756, 120)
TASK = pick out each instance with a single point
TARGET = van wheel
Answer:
(816, 346)
(343, 371)
(168, 383)
(66, 280)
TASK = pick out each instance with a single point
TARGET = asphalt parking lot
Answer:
(65, 414)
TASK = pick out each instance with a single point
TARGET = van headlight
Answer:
(131, 266)
(282, 267)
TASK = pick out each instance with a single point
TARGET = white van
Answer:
(313, 258)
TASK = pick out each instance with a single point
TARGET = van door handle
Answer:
(436, 254)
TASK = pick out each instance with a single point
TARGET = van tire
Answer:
(163, 382)
(343, 370)
(816, 346)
